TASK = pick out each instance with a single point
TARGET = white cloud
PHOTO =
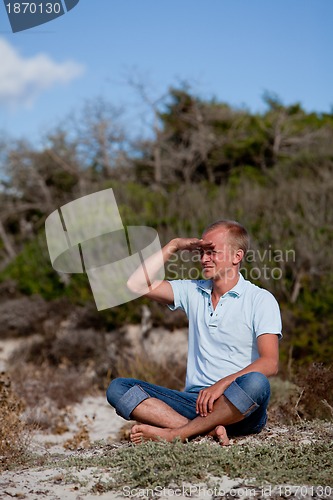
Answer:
(22, 80)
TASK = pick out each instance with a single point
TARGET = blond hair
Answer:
(238, 235)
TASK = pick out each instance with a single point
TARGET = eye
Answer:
(209, 253)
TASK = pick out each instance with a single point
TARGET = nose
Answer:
(205, 257)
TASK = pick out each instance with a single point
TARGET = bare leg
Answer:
(223, 413)
(155, 412)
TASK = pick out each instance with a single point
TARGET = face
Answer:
(221, 261)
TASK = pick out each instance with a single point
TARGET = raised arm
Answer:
(161, 291)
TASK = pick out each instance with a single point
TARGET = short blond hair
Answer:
(238, 235)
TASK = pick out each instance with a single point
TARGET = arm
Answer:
(161, 291)
(267, 364)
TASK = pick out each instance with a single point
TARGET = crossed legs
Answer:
(167, 414)
(172, 425)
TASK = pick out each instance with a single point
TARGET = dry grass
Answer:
(80, 440)
(63, 385)
(14, 434)
(139, 366)
(48, 391)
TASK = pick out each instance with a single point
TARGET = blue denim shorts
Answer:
(249, 393)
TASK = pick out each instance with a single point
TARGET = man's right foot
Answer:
(221, 435)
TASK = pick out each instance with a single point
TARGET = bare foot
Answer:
(221, 435)
(144, 432)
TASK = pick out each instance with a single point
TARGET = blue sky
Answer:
(234, 50)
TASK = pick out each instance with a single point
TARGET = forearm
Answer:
(148, 279)
(151, 267)
(265, 365)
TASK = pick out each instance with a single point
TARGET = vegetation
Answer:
(304, 458)
(14, 434)
(153, 464)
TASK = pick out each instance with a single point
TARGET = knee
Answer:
(256, 385)
(116, 390)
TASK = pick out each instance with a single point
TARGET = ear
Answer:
(239, 254)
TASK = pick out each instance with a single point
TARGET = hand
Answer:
(208, 396)
(192, 244)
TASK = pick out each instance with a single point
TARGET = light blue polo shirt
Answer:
(223, 341)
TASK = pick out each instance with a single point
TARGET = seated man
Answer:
(234, 329)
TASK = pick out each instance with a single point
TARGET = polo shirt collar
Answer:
(237, 290)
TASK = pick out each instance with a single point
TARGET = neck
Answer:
(224, 284)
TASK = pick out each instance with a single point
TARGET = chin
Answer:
(208, 273)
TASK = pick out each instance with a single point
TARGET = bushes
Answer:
(308, 325)
(305, 396)
(316, 397)
(281, 214)
(48, 391)
(32, 271)
(22, 316)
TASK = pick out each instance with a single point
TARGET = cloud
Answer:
(22, 80)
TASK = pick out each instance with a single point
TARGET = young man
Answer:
(234, 329)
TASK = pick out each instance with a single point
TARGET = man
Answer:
(234, 329)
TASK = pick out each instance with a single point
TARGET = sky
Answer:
(233, 50)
